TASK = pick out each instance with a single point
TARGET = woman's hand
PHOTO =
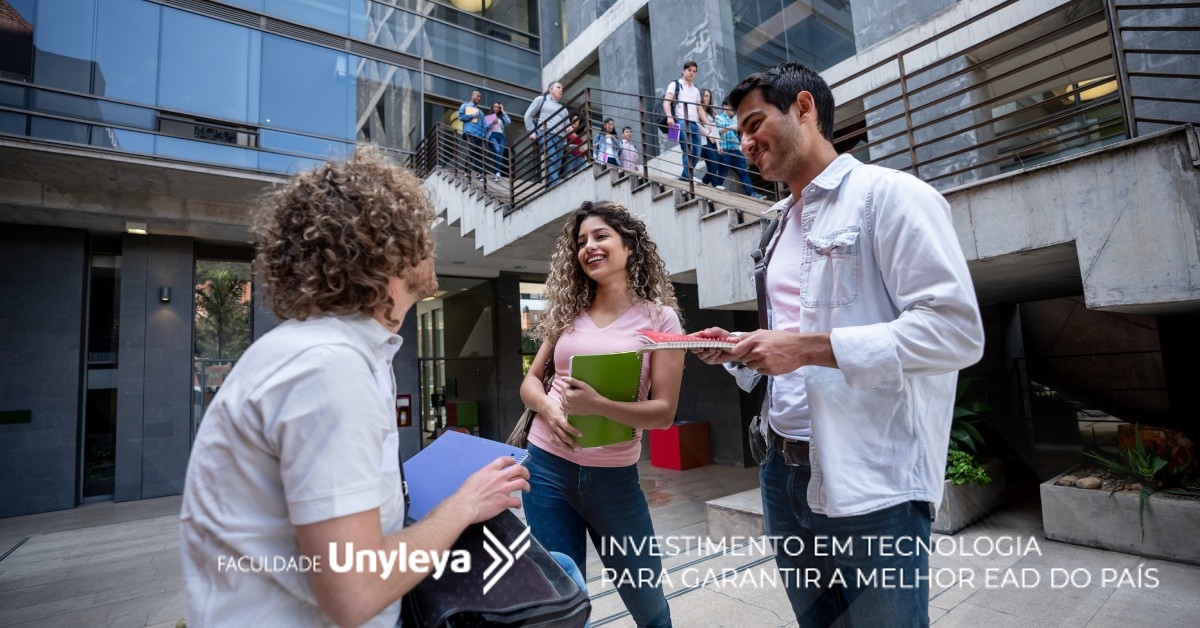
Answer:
(561, 432)
(578, 397)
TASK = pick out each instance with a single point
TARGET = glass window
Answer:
(289, 142)
(328, 15)
(60, 130)
(285, 164)
(127, 50)
(16, 41)
(208, 67)
(307, 88)
(63, 44)
(253, 5)
(13, 123)
(122, 140)
(206, 152)
(474, 53)
(389, 105)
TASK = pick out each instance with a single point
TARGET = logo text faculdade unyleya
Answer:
(385, 562)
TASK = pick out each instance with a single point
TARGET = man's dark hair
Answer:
(689, 64)
(780, 85)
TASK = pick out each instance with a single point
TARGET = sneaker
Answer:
(684, 179)
(497, 177)
(721, 187)
(758, 197)
(479, 176)
(697, 179)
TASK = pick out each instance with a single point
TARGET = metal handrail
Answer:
(527, 162)
(1020, 104)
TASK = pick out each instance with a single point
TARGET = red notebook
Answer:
(660, 340)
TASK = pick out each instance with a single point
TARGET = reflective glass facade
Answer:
(818, 33)
(257, 84)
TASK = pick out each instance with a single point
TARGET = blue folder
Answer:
(439, 469)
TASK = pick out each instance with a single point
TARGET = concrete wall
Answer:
(154, 375)
(878, 20)
(696, 30)
(41, 304)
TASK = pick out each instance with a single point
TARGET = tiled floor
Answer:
(118, 565)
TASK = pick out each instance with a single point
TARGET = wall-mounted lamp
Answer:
(164, 294)
(138, 228)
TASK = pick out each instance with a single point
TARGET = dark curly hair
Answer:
(329, 238)
(570, 291)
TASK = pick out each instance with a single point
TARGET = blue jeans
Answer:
(567, 503)
(690, 142)
(735, 160)
(787, 514)
(553, 145)
(713, 175)
(497, 143)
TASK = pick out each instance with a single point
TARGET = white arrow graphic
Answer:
(502, 557)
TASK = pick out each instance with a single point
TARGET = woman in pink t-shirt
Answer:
(606, 281)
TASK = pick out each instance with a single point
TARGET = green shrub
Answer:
(963, 468)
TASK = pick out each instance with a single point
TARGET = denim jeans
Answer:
(713, 174)
(690, 142)
(567, 503)
(474, 152)
(497, 142)
(735, 160)
(553, 145)
(901, 601)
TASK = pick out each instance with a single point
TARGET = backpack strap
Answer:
(760, 258)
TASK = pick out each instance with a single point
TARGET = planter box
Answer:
(1094, 519)
(964, 504)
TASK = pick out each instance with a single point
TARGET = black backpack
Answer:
(660, 119)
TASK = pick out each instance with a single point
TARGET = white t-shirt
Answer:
(687, 94)
(303, 430)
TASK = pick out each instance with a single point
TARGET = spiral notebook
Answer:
(661, 340)
(439, 469)
(615, 376)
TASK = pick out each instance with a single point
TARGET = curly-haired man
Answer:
(299, 455)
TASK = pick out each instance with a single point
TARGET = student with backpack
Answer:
(681, 103)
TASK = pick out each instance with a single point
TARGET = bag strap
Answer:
(675, 101)
(761, 258)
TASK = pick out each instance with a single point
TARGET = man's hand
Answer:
(714, 356)
(778, 352)
(488, 491)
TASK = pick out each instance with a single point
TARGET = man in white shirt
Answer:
(298, 456)
(686, 112)
(871, 314)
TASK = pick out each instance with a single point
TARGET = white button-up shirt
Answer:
(873, 258)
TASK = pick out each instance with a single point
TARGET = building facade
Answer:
(135, 134)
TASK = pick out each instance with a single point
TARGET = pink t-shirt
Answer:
(583, 338)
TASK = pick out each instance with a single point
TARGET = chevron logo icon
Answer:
(503, 556)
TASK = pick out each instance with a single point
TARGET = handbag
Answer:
(534, 591)
(520, 434)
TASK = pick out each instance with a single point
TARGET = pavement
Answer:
(109, 564)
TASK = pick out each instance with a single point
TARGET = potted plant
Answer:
(974, 485)
(1144, 501)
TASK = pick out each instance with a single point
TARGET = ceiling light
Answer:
(138, 228)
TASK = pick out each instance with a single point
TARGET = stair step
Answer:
(737, 516)
(684, 573)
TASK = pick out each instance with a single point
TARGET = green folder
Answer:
(615, 376)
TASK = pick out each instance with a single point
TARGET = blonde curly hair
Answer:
(329, 238)
(570, 291)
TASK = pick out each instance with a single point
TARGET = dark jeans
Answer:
(714, 174)
(568, 503)
(903, 601)
(474, 152)
(690, 142)
(735, 160)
